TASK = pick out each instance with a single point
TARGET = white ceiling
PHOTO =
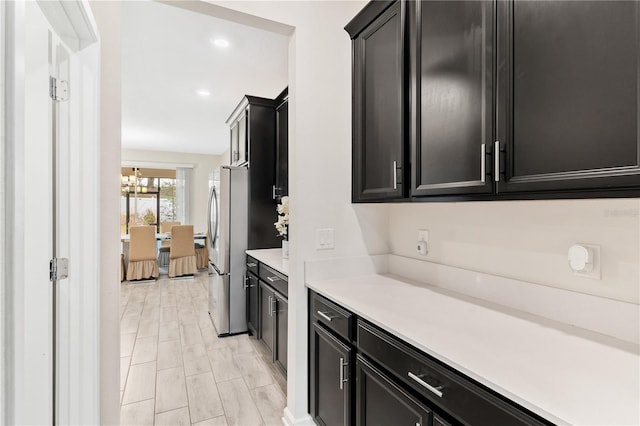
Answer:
(168, 56)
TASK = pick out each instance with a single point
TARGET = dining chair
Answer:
(143, 263)
(202, 254)
(163, 252)
(182, 253)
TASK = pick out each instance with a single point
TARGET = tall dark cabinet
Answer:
(253, 124)
(451, 93)
(281, 187)
(568, 95)
(378, 102)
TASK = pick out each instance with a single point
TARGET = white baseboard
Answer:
(290, 420)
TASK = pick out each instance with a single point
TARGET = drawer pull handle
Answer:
(251, 265)
(436, 390)
(273, 279)
(325, 316)
(342, 379)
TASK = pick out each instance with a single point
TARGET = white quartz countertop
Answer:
(565, 374)
(272, 258)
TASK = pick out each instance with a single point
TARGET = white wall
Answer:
(528, 240)
(203, 165)
(319, 157)
(108, 17)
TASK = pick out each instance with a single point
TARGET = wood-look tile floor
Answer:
(175, 370)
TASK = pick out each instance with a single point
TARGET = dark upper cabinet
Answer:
(253, 124)
(282, 145)
(451, 60)
(496, 99)
(381, 402)
(378, 103)
(251, 286)
(330, 367)
(568, 95)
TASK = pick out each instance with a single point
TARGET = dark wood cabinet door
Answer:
(378, 110)
(451, 79)
(253, 304)
(282, 149)
(235, 155)
(243, 138)
(437, 421)
(568, 95)
(330, 366)
(282, 323)
(381, 402)
(267, 329)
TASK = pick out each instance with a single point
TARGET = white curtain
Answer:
(183, 194)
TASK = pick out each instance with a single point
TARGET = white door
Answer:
(55, 342)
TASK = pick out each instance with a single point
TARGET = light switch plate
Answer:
(324, 239)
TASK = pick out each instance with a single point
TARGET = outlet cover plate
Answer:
(324, 239)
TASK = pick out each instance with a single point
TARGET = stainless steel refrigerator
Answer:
(228, 229)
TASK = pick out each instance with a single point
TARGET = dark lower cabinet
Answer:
(282, 334)
(268, 310)
(252, 286)
(267, 326)
(381, 402)
(377, 379)
(437, 421)
(330, 378)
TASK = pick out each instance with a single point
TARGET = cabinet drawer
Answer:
(467, 401)
(274, 278)
(252, 265)
(332, 316)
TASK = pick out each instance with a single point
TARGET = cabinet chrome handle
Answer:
(270, 307)
(496, 161)
(325, 316)
(342, 378)
(483, 163)
(251, 265)
(274, 306)
(273, 189)
(436, 390)
(393, 172)
(246, 286)
(273, 279)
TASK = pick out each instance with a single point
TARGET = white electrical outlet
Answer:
(422, 247)
(584, 260)
(324, 239)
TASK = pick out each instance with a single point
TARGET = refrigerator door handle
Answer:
(210, 219)
(214, 238)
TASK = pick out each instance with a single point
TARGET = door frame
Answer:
(73, 20)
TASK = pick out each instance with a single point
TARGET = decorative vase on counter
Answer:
(285, 249)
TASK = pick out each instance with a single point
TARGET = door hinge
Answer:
(58, 89)
(58, 268)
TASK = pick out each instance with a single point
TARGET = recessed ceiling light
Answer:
(220, 42)
(203, 93)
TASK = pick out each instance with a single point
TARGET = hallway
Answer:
(176, 371)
